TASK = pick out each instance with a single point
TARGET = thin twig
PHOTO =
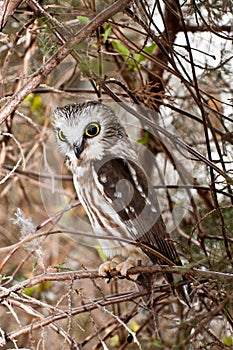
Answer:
(59, 56)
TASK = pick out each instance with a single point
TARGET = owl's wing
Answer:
(126, 187)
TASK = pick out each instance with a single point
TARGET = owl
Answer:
(113, 188)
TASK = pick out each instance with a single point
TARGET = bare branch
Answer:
(59, 56)
(7, 8)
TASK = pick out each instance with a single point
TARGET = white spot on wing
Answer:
(132, 209)
(103, 179)
(99, 185)
(139, 188)
(154, 210)
(118, 194)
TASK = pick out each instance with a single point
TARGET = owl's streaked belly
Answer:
(104, 219)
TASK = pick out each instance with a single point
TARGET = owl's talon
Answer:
(120, 276)
(106, 268)
(120, 265)
(124, 266)
(131, 277)
(108, 276)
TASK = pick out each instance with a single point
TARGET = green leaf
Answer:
(36, 103)
(228, 341)
(83, 19)
(134, 326)
(139, 58)
(28, 99)
(38, 289)
(107, 31)
(145, 139)
(148, 49)
(115, 341)
(35, 264)
(119, 47)
(62, 268)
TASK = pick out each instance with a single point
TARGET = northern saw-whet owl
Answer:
(113, 188)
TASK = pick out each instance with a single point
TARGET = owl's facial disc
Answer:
(91, 130)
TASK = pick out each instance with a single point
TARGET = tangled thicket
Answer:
(165, 67)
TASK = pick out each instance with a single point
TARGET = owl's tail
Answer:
(182, 287)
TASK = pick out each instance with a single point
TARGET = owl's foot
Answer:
(125, 265)
(106, 267)
(120, 265)
(110, 265)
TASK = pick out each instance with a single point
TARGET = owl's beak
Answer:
(78, 148)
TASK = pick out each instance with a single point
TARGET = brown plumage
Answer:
(113, 188)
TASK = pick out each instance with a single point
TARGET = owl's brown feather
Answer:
(137, 206)
(112, 185)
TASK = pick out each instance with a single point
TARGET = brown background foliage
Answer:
(170, 64)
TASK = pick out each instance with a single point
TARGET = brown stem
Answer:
(59, 56)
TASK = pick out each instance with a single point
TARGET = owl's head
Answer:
(86, 131)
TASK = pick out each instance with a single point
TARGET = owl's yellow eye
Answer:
(61, 135)
(92, 130)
